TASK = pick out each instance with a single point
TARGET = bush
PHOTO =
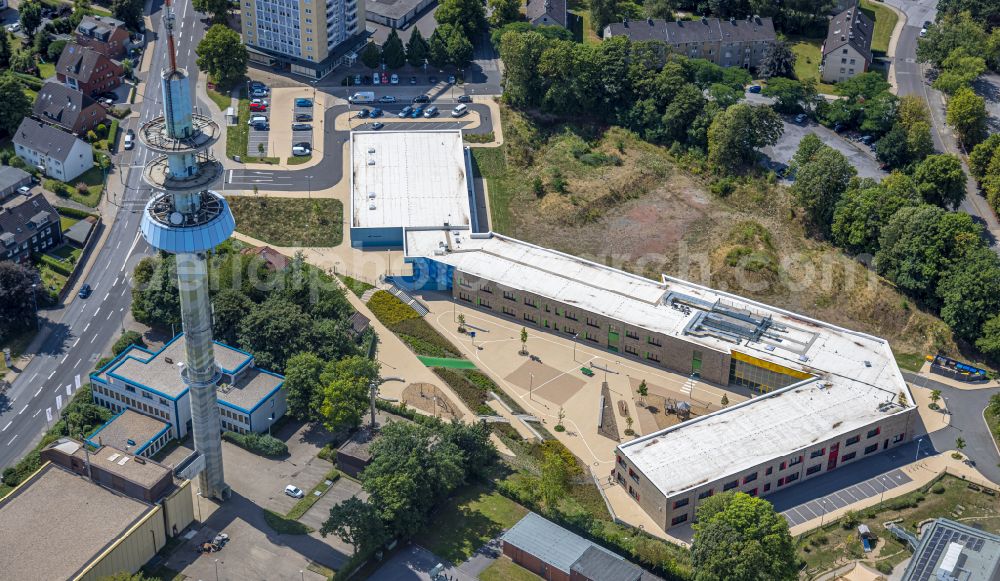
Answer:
(470, 393)
(262, 444)
(723, 187)
(423, 339)
(127, 339)
(82, 189)
(73, 213)
(884, 567)
(91, 136)
(389, 309)
(938, 488)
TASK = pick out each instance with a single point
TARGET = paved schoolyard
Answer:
(846, 496)
(546, 382)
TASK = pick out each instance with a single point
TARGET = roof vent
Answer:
(371, 150)
(371, 195)
(803, 358)
(168, 360)
(868, 363)
(371, 206)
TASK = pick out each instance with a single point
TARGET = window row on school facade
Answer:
(116, 401)
(655, 348)
(765, 478)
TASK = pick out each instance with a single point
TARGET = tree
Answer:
(56, 48)
(437, 52)
(128, 11)
(819, 184)
(356, 522)
(941, 181)
(725, 400)
(724, 95)
(555, 478)
(229, 307)
(503, 12)
(469, 16)
(128, 339)
(989, 343)
(393, 53)
(217, 9)
(459, 49)
(919, 141)
(303, 383)
(736, 134)
(155, 301)
(967, 114)
(792, 96)
(16, 103)
(917, 245)
(740, 537)
(417, 49)
(959, 70)
(411, 471)
(17, 297)
(474, 442)
(968, 288)
(949, 33)
(223, 55)
(22, 61)
(866, 207)
(371, 56)
(5, 51)
(346, 395)
(273, 331)
(643, 391)
(935, 395)
(864, 86)
(994, 405)
(893, 149)
(524, 340)
(982, 154)
(778, 60)
(959, 443)
(559, 420)
(30, 16)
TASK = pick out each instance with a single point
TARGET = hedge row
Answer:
(57, 265)
(390, 310)
(73, 213)
(263, 444)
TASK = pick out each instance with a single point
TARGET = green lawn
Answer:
(17, 343)
(298, 159)
(238, 136)
(503, 569)
(807, 60)
(94, 180)
(67, 252)
(885, 22)
(290, 221)
(993, 421)
(446, 362)
(909, 361)
(824, 548)
(221, 101)
(46, 70)
(490, 163)
(283, 525)
(358, 287)
(469, 520)
(65, 223)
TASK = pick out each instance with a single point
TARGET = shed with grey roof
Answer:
(12, 178)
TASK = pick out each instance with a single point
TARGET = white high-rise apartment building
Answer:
(307, 37)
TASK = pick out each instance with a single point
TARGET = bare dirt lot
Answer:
(609, 197)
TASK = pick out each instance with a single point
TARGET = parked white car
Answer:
(301, 150)
(294, 491)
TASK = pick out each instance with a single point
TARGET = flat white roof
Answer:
(410, 178)
(856, 373)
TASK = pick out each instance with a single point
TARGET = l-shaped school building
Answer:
(824, 396)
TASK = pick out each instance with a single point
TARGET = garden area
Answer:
(470, 519)
(949, 497)
(358, 287)
(885, 21)
(808, 57)
(471, 385)
(86, 189)
(290, 221)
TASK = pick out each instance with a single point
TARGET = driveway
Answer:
(413, 563)
(858, 155)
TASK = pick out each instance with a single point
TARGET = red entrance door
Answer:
(834, 454)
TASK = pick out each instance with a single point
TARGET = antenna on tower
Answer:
(168, 22)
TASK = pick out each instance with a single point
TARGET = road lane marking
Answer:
(38, 411)
(97, 311)
(106, 295)
(51, 374)
(11, 440)
(64, 359)
(94, 339)
(109, 317)
(75, 341)
(23, 409)
(130, 250)
(38, 392)
(86, 327)
(123, 291)
(80, 360)
(7, 426)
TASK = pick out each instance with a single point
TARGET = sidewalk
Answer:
(890, 52)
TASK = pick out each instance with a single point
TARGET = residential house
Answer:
(87, 70)
(847, 50)
(732, 43)
(271, 258)
(103, 34)
(28, 228)
(58, 154)
(68, 109)
(546, 12)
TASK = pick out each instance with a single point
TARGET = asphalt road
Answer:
(81, 331)
(332, 167)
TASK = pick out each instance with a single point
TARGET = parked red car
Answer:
(385, 78)
(258, 107)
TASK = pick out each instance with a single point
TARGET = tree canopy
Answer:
(736, 133)
(17, 306)
(741, 538)
(223, 55)
(16, 103)
(821, 177)
(393, 53)
(940, 180)
(216, 9)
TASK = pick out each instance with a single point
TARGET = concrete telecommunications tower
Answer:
(185, 218)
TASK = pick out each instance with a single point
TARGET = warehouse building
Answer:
(826, 396)
(408, 180)
(108, 511)
(250, 399)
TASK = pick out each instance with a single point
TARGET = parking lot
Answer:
(845, 496)
(858, 155)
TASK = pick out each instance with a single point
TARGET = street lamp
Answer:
(531, 385)
(574, 347)
(918, 449)
(309, 179)
(822, 515)
(34, 301)
(216, 570)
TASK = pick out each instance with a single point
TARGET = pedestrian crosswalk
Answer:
(689, 385)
